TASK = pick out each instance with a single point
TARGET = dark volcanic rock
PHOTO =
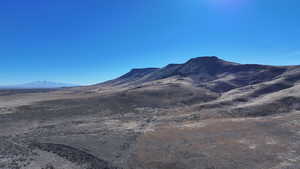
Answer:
(74, 155)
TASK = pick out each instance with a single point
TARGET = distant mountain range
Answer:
(38, 85)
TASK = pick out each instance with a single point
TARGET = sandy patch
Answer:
(193, 125)
(120, 125)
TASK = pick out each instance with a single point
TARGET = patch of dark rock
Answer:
(221, 87)
(271, 88)
(284, 105)
(74, 155)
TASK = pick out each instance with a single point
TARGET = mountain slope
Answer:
(213, 85)
(133, 75)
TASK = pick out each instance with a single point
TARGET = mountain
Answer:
(210, 72)
(206, 113)
(210, 84)
(38, 85)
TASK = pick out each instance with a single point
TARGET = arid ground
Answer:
(204, 114)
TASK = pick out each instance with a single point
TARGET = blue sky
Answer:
(90, 41)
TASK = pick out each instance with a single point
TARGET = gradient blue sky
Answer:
(89, 41)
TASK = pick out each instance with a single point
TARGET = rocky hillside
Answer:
(211, 84)
(206, 113)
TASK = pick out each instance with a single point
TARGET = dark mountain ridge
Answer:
(209, 71)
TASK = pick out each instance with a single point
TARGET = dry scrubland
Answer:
(204, 114)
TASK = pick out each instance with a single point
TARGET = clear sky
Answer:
(89, 41)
